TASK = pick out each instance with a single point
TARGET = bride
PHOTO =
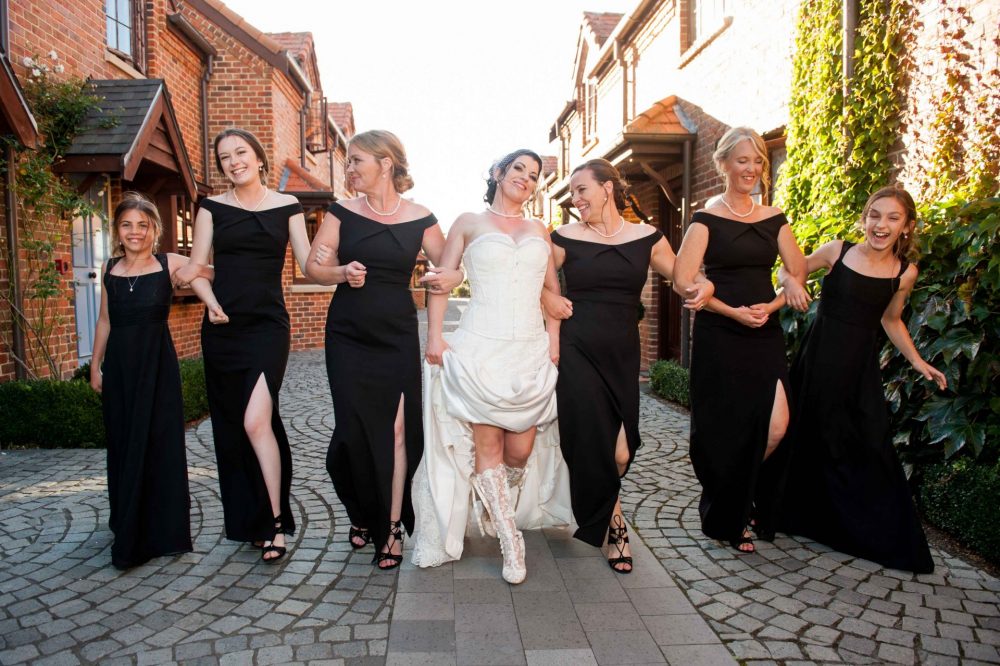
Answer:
(489, 391)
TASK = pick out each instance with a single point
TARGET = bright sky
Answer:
(461, 82)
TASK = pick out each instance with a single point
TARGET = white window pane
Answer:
(124, 39)
(124, 12)
(112, 33)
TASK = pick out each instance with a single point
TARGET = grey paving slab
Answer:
(690, 600)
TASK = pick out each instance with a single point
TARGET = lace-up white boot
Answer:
(491, 486)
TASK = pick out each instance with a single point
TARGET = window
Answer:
(563, 152)
(777, 154)
(588, 96)
(705, 17)
(314, 218)
(182, 213)
(126, 33)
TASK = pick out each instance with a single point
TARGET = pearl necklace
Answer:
(399, 202)
(601, 233)
(733, 211)
(233, 192)
(496, 212)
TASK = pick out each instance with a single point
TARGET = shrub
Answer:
(669, 380)
(963, 499)
(50, 414)
(58, 414)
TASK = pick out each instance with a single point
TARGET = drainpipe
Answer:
(685, 218)
(13, 267)
(850, 28)
(209, 65)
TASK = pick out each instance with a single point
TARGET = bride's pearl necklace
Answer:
(733, 211)
(611, 235)
(399, 202)
(496, 212)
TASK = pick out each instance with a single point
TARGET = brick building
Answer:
(171, 75)
(654, 89)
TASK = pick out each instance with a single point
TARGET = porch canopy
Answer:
(312, 193)
(15, 116)
(133, 133)
(649, 147)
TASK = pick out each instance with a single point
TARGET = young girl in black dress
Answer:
(846, 487)
(134, 366)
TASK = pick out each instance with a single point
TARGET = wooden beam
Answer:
(662, 182)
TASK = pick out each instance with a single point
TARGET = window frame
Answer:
(136, 53)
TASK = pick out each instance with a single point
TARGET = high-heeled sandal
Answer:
(359, 533)
(618, 537)
(395, 534)
(269, 548)
(746, 539)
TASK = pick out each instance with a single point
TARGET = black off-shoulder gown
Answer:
(734, 374)
(249, 251)
(846, 487)
(598, 388)
(373, 358)
(144, 421)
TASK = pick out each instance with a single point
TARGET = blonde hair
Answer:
(384, 144)
(733, 138)
(140, 202)
(906, 244)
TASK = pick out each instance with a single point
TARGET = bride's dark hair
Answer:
(501, 166)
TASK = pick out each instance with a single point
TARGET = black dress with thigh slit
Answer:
(373, 360)
(598, 388)
(144, 421)
(735, 371)
(249, 251)
(846, 487)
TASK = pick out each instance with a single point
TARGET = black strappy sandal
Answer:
(618, 537)
(359, 533)
(746, 539)
(395, 534)
(269, 548)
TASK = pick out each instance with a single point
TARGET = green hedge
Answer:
(669, 380)
(961, 499)
(56, 414)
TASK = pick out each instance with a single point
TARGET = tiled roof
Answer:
(602, 23)
(299, 43)
(342, 114)
(295, 178)
(113, 128)
(663, 117)
(549, 164)
(241, 23)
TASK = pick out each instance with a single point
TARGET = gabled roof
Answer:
(15, 116)
(296, 178)
(237, 27)
(135, 123)
(301, 46)
(602, 24)
(342, 114)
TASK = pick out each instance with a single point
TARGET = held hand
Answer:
(442, 280)
(96, 379)
(323, 254)
(699, 295)
(931, 373)
(556, 306)
(216, 315)
(796, 295)
(751, 316)
(436, 347)
(355, 273)
(182, 276)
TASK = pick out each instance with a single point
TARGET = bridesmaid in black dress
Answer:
(605, 262)
(739, 375)
(370, 244)
(141, 386)
(245, 339)
(846, 487)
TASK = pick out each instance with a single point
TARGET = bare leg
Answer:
(489, 446)
(621, 452)
(779, 420)
(621, 549)
(517, 447)
(257, 423)
(398, 480)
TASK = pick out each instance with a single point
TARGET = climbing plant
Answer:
(45, 201)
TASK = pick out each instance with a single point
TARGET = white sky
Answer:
(461, 82)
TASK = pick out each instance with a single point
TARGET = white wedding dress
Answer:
(496, 371)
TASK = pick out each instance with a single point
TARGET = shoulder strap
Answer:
(844, 247)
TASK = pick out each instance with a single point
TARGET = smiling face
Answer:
(883, 222)
(364, 172)
(238, 161)
(136, 232)
(518, 182)
(742, 168)
(590, 197)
